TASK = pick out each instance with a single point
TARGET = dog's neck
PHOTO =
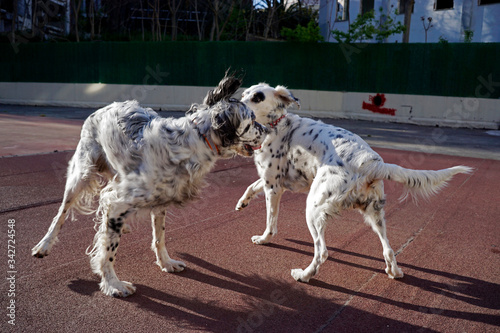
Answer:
(275, 116)
(275, 123)
(207, 138)
(211, 144)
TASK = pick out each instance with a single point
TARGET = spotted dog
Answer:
(137, 161)
(338, 169)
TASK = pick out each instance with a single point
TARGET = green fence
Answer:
(467, 70)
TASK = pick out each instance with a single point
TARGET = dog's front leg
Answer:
(250, 193)
(163, 260)
(102, 256)
(273, 197)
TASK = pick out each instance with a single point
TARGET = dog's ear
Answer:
(286, 96)
(226, 88)
(225, 122)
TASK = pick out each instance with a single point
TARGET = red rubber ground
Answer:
(448, 248)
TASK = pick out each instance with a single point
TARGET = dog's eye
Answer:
(258, 97)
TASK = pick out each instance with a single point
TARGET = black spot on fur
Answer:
(225, 126)
(378, 205)
(115, 225)
(258, 97)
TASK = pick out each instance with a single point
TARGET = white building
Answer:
(452, 20)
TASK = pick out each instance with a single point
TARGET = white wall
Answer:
(415, 109)
(484, 20)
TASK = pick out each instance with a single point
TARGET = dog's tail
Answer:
(423, 183)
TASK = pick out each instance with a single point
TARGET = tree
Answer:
(173, 6)
(155, 20)
(365, 27)
(77, 4)
(310, 33)
(221, 13)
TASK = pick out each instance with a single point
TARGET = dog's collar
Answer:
(211, 145)
(275, 123)
(207, 139)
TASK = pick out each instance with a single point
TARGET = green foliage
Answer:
(468, 34)
(443, 40)
(366, 27)
(309, 33)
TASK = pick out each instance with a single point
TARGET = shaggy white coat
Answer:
(135, 160)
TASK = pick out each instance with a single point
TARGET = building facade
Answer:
(453, 21)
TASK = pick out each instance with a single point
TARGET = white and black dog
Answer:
(338, 169)
(136, 160)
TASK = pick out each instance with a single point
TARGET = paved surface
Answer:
(448, 247)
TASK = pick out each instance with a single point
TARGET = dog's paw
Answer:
(41, 250)
(241, 204)
(118, 288)
(126, 228)
(298, 275)
(397, 274)
(172, 266)
(260, 240)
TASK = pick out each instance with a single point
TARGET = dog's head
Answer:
(229, 122)
(267, 102)
(232, 127)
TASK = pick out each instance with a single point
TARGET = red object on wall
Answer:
(376, 105)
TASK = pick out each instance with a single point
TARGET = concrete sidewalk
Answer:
(17, 122)
(448, 248)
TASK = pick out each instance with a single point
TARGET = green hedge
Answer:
(426, 69)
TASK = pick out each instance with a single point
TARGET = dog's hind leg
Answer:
(373, 212)
(80, 180)
(250, 193)
(163, 260)
(103, 254)
(273, 197)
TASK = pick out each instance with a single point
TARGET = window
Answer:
(366, 6)
(342, 10)
(487, 2)
(402, 6)
(443, 4)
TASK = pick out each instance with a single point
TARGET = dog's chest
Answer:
(292, 169)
